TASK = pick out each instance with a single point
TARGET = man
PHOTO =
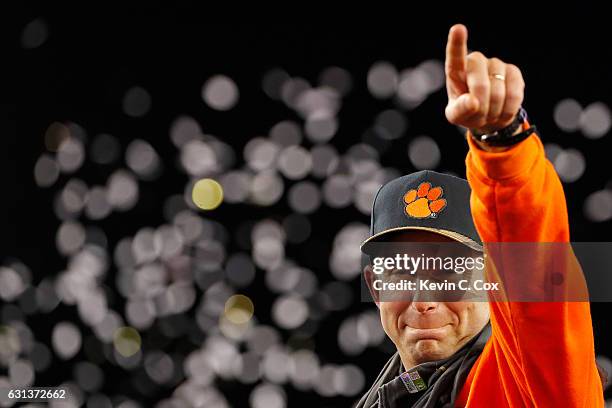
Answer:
(471, 353)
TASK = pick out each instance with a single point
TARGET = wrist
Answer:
(488, 148)
(488, 130)
(502, 139)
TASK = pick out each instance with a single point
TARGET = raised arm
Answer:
(517, 197)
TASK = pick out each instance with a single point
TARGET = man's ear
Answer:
(368, 276)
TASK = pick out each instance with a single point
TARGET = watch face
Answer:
(522, 114)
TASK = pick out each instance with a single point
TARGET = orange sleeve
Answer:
(546, 348)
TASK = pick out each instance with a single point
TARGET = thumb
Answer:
(460, 109)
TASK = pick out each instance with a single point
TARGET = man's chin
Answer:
(431, 350)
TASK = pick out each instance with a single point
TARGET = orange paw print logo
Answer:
(425, 202)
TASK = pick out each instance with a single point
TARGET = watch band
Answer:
(519, 137)
(506, 136)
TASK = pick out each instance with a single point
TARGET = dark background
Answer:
(81, 72)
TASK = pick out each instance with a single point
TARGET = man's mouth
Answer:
(435, 333)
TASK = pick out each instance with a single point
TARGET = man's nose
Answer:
(425, 299)
(425, 307)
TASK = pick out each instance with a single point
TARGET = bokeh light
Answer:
(105, 149)
(290, 312)
(286, 133)
(570, 165)
(70, 154)
(239, 309)
(268, 396)
(66, 340)
(46, 171)
(567, 114)
(294, 162)
(424, 153)
(382, 80)
(34, 34)
(598, 206)
(220, 93)
(136, 102)
(304, 197)
(595, 120)
(127, 341)
(207, 194)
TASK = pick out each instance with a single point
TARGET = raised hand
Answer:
(483, 93)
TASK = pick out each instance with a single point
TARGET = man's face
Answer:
(428, 330)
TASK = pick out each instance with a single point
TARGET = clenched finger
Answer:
(497, 76)
(461, 109)
(478, 82)
(515, 92)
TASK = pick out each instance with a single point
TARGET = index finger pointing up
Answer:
(456, 50)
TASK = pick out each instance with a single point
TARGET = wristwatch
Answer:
(506, 136)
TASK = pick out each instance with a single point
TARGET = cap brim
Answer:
(447, 233)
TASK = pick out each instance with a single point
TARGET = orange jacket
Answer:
(540, 354)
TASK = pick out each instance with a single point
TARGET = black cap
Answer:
(425, 200)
